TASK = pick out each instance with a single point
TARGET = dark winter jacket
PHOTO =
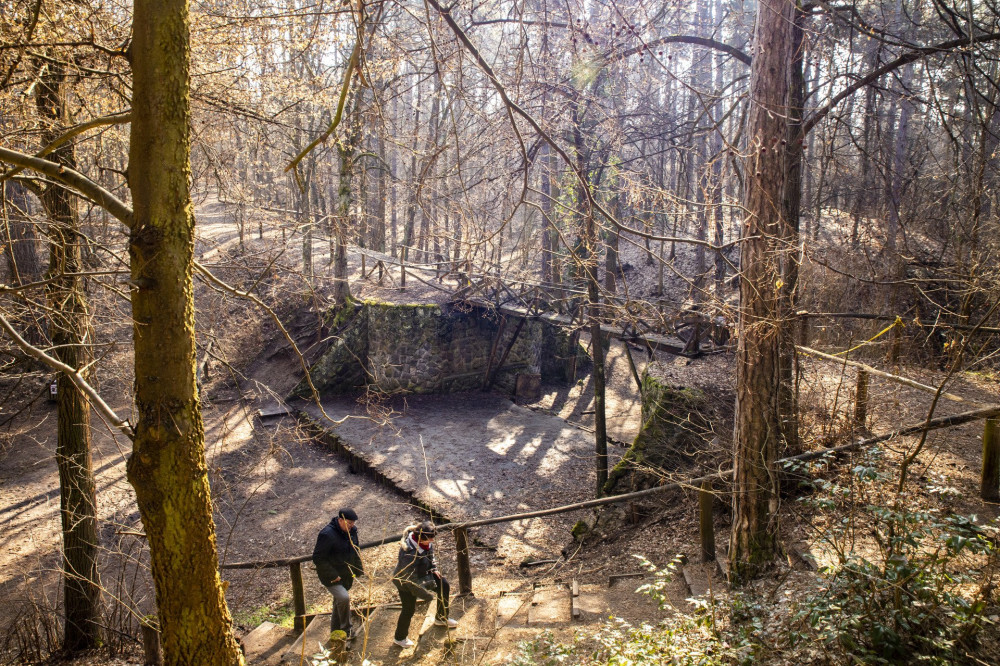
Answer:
(336, 554)
(415, 570)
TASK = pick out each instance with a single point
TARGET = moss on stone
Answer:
(672, 429)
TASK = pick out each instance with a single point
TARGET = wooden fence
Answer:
(702, 484)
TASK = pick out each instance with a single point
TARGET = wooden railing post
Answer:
(298, 597)
(861, 399)
(464, 565)
(706, 500)
(990, 489)
(151, 643)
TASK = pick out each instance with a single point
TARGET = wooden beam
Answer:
(879, 373)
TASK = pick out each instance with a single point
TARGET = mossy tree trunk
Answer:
(167, 467)
(758, 424)
(70, 332)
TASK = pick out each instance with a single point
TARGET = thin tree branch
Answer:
(215, 281)
(74, 179)
(72, 374)
(875, 75)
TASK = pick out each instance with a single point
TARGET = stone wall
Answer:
(674, 431)
(438, 349)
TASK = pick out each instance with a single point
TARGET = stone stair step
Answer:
(315, 637)
(374, 642)
(265, 644)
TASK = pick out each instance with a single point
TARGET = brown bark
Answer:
(342, 221)
(69, 330)
(587, 261)
(753, 539)
(19, 239)
(792, 204)
(167, 467)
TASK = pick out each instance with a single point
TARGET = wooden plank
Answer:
(614, 578)
(464, 565)
(550, 605)
(706, 502)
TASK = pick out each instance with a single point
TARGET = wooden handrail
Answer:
(878, 373)
(881, 317)
(695, 484)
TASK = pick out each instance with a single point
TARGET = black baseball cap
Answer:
(347, 514)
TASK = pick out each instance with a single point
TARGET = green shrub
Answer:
(686, 640)
(910, 596)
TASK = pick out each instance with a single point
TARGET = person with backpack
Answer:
(416, 577)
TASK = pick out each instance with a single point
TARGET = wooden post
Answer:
(894, 347)
(402, 270)
(151, 643)
(991, 462)
(706, 526)
(298, 598)
(861, 400)
(464, 566)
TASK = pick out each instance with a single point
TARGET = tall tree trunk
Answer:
(869, 119)
(717, 153)
(548, 234)
(346, 150)
(753, 541)
(790, 253)
(411, 206)
(611, 245)
(19, 238)
(167, 466)
(586, 259)
(70, 332)
(377, 238)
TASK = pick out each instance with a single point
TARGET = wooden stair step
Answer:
(590, 602)
(550, 605)
(374, 641)
(512, 609)
(702, 578)
(266, 643)
(315, 637)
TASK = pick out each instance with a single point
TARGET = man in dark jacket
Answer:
(416, 577)
(338, 561)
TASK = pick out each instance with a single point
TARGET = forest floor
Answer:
(274, 487)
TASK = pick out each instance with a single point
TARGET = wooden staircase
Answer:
(513, 616)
